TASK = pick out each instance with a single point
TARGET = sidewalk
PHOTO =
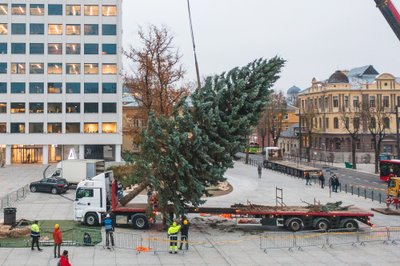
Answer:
(218, 245)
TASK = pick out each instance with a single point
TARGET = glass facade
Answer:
(109, 87)
(108, 48)
(17, 127)
(91, 48)
(54, 87)
(3, 9)
(91, 87)
(18, 48)
(73, 69)
(18, 28)
(18, 9)
(3, 29)
(54, 48)
(72, 128)
(36, 108)
(3, 108)
(54, 68)
(54, 108)
(17, 87)
(17, 108)
(71, 108)
(54, 128)
(91, 108)
(36, 87)
(55, 10)
(109, 108)
(3, 48)
(91, 69)
(73, 87)
(3, 87)
(91, 29)
(37, 10)
(73, 29)
(36, 48)
(109, 29)
(18, 68)
(3, 68)
(109, 11)
(91, 128)
(36, 68)
(73, 48)
(36, 29)
(109, 69)
(73, 10)
(55, 29)
(91, 10)
(35, 127)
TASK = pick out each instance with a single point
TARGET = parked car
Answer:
(52, 185)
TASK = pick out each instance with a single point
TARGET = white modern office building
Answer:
(60, 83)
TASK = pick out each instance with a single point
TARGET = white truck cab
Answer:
(92, 198)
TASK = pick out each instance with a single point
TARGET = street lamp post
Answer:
(397, 132)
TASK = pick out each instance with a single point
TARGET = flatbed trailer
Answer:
(91, 209)
(291, 168)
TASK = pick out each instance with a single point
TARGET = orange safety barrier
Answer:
(143, 249)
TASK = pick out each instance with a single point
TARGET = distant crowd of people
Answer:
(334, 183)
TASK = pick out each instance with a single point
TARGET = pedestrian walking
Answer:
(173, 231)
(321, 178)
(109, 227)
(184, 233)
(259, 170)
(337, 183)
(35, 234)
(307, 177)
(64, 260)
(57, 238)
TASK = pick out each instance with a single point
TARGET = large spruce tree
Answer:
(192, 149)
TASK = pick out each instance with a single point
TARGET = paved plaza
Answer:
(214, 245)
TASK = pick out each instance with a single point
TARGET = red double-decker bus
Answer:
(388, 169)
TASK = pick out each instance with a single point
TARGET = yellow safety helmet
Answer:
(56, 226)
(185, 222)
(174, 224)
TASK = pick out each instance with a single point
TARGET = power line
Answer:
(194, 45)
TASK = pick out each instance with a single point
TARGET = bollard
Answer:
(372, 195)
(352, 191)
(345, 187)
(365, 193)
(340, 187)
(358, 191)
(380, 198)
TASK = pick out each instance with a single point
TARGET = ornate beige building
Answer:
(345, 91)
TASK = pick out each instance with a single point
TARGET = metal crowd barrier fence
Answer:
(330, 238)
(11, 198)
(122, 240)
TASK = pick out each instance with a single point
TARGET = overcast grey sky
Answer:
(316, 37)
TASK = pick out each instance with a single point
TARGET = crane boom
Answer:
(391, 15)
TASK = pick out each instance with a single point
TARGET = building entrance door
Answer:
(26, 154)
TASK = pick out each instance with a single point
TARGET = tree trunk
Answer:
(377, 152)
(353, 152)
(131, 195)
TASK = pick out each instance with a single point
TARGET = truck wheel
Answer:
(349, 224)
(54, 191)
(139, 221)
(294, 224)
(91, 219)
(322, 224)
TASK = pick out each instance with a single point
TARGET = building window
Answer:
(3, 87)
(335, 122)
(91, 128)
(355, 102)
(335, 101)
(36, 48)
(73, 29)
(109, 87)
(109, 127)
(91, 10)
(36, 87)
(109, 108)
(73, 69)
(17, 108)
(17, 87)
(337, 145)
(91, 48)
(18, 68)
(54, 68)
(3, 128)
(73, 48)
(54, 87)
(386, 101)
(386, 122)
(73, 87)
(91, 69)
(54, 108)
(54, 48)
(3, 48)
(91, 108)
(3, 68)
(55, 10)
(17, 128)
(36, 108)
(356, 122)
(36, 29)
(18, 9)
(372, 101)
(347, 122)
(109, 29)
(18, 48)
(36, 68)
(91, 29)
(109, 11)
(373, 122)
(35, 127)
(54, 128)
(55, 29)
(18, 28)
(3, 9)
(346, 101)
(109, 69)
(90, 87)
(109, 48)
(3, 108)
(37, 10)
(3, 29)
(73, 108)
(72, 128)
(73, 10)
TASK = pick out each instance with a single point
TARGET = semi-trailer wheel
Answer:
(349, 224)
(139, 221)
(91, 219)
(321, 224)
(294, 224)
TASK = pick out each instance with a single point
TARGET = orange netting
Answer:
(143, 249)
